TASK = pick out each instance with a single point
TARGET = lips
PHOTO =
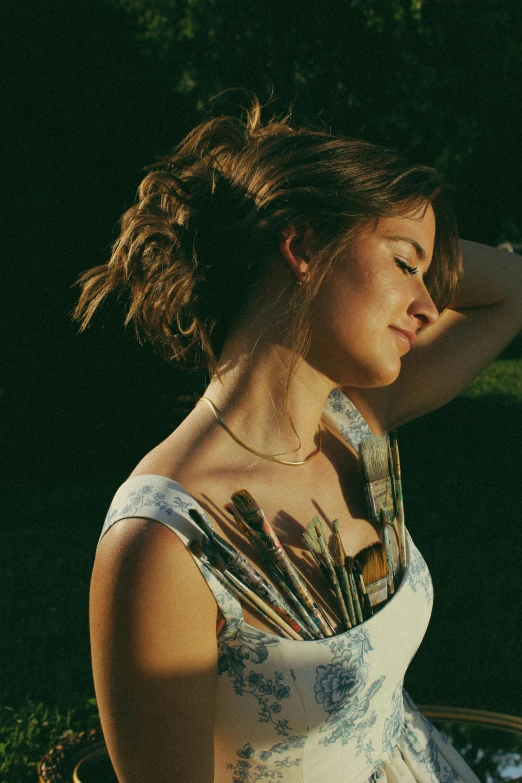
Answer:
(405, 334)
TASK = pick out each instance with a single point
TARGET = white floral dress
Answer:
(320, 711)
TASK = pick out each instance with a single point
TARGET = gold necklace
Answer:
(259, 453)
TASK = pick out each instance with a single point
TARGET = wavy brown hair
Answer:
(208, 219)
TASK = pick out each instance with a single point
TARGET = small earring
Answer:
(303, 280)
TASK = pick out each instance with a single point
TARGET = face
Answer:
(374, 302)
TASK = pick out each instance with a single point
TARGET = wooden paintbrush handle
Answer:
(335, 582)
(356, 602)
(273, 546)
(399, 501)
(303, 593)
(263, 607)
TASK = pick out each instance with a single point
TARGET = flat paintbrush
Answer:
(372, 560)
(399, 502)
(374, 460)
(232, 583)
(245, 571)
(254, 517)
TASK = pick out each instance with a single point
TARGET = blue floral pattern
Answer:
(418, 575)
(245, 770)
(342, 688)
(144, 497)
(354, 429)
(423, 747)
(393, 724)
(326, 696)
(239, 643)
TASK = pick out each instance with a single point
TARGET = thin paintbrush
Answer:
(399, 502)
(339, 558)
(317, 526)
(311, 544)
(387, 547)
(237, 587)
(254, 517)
(244, 570)
(365, 598)
(348, 564)
(374, 456)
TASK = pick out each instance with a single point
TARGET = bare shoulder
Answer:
(144, 556)
(154, 654)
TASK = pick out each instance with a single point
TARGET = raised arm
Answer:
(154, 655)
(468, 335)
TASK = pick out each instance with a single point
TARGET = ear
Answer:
(294, 246)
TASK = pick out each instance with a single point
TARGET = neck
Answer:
(251, 396)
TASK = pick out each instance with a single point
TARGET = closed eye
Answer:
(409, 270)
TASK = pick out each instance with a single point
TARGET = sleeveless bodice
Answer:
(318, 711)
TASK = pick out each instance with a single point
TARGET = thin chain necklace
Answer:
(259, 453)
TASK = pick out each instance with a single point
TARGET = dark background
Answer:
(94, 91)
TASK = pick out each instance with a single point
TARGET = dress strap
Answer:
(342, 415)
(157, 497)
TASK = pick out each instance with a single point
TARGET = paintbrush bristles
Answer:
(247, 507)
(373, 563)
(311, 533)
(201, 521)
(338, 555)
(374, 456)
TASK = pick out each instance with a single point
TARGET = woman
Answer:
(318, 277)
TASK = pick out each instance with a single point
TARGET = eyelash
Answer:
(411, 270)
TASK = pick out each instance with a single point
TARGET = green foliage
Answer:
(434, 78)
(502, 378)
(28, 732)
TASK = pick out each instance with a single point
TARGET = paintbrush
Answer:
(348, 565)
(317, 526)
(231, 582)
(339, 558)
(309, 628)
(374, 454)
(245, 571)
(387, 547)
(254, 517)
(311, 541)
(399, 502)
(372, 560)
(314, 549)
(304, 632)
(363, 593)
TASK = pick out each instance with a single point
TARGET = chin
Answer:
(348, 370)
(378, 377)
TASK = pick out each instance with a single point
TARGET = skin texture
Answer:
(153, 618)
(370, 292)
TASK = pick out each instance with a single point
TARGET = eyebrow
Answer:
(421, 253)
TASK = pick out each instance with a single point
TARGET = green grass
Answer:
(502, 378)
(462, 477)
(28, 732)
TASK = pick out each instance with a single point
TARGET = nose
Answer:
(423, 308)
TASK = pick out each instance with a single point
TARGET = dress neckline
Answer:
(242, 621)
(343, 416)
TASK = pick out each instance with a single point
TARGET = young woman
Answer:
(320, 279)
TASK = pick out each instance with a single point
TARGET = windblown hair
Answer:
(209, 217)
